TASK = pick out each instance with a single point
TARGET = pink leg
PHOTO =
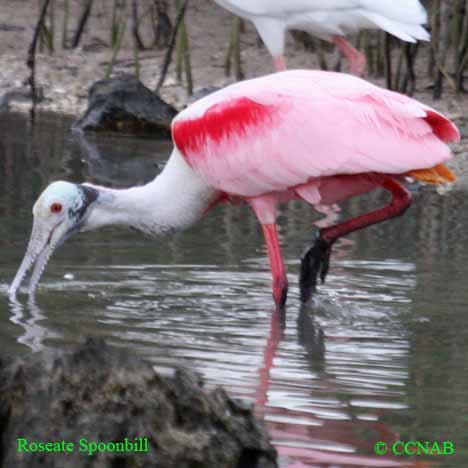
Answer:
(280, 281)
(357, 60)
(316, 260)
(400, 202)
(279, 63)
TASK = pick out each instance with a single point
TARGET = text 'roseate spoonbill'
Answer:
(330, 20)
(317, 136)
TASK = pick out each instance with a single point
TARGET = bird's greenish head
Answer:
(59, 211)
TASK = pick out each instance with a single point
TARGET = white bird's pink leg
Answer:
(357, 60)
(279, 63)
(280, 280)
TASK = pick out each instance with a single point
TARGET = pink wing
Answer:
(277, 132)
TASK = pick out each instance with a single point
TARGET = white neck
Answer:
(173, 201)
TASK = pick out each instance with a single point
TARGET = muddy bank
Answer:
(105, 403)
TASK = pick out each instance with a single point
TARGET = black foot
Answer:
(284, 296)
(315, 262)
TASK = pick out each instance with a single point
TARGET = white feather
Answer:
(326, 18)
(173, 201)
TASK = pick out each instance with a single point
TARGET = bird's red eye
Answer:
(56, 208)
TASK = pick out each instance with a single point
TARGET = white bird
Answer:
(330, 20)
(317, 136)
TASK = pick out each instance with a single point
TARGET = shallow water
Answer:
(381, 355)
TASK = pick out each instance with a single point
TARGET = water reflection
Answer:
(380, 355)
(29, 318)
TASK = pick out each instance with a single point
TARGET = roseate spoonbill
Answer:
(330, 20)
(312, 135)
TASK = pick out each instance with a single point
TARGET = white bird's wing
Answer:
(408, 11)
(281, 8)
(402, 18)
(404, 11)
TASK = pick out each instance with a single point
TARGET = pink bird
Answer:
(320, 137)
(330, 20)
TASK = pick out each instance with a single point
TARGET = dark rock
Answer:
(125, 104)
(104, 394)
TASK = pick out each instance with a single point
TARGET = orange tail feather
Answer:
(439, 174)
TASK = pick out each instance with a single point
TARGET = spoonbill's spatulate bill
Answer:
(316, 136)
(330, 20)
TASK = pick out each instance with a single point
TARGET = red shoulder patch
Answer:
(442, 127)
(219, 123)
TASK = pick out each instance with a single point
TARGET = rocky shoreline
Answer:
(61, 409)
